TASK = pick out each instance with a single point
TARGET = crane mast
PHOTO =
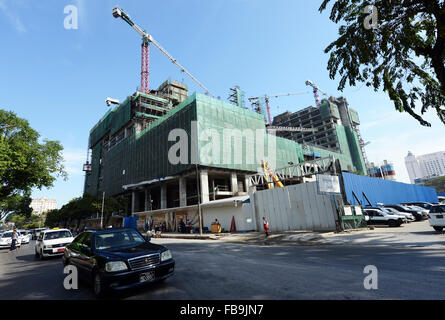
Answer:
(146, 40)
(267, 97)
(316, 90)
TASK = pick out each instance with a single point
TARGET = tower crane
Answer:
(146, 40)
(267, 97)
(316, 90)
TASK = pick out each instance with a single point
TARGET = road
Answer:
(219, 270)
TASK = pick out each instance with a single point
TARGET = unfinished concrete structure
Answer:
(166, 151)
(336, 130)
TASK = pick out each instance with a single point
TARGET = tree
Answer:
(16, 204)
(404, 54)
(84, 207)
(26, 163)
(437, 183)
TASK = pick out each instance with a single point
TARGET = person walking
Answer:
(266, 226)
(15, 238)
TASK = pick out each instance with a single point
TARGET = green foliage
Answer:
(82, 208)
(16, 204)
(26, 163)
(437, 183)
(404, 55)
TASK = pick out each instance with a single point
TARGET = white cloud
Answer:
(74, 160)
(13, 18)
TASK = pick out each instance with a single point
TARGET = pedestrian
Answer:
(266, 226)
(182, 226)
(14, 237)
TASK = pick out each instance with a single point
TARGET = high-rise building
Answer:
(42, 205)
(425, 166)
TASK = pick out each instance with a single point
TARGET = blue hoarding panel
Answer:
(131, 222)
(384, 191)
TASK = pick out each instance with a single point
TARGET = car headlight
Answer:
(166, 255)
(47, 247)
(113, 266)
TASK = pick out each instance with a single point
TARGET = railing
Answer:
(299, 170)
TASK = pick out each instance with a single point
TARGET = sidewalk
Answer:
(258, 238)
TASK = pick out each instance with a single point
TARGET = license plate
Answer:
(439, 217)
(146, 276)
(61, 250)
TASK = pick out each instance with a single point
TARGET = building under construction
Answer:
(135, 151)
(335, 131)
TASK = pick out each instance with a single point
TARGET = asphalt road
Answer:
(218, 270)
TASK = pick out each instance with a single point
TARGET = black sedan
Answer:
(118, 259)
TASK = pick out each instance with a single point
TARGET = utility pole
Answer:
(102, 215)
(199, 200)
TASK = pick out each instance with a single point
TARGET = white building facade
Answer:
(425, 166)
(40, 206)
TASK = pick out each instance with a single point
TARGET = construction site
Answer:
(132, 146)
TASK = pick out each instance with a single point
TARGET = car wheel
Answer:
(392, 223)
(98, 286)
(438, 229)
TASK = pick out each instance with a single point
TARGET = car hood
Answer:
(58, 241)
(132, 252)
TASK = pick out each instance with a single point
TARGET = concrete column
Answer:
(234, 183)
(146, 199)
(182, 192)
(204, 178)
(133, 201)
(164, 196)
(246, 183)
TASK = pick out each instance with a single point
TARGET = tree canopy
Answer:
(404, 54)
(26, 162)
(437, 183)
(84, 207)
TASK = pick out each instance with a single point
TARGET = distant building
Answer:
(425, 167)
(384, 171)
(40, 206)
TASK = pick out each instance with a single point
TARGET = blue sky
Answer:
(58, 79)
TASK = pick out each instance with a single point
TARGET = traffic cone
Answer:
(233, 227)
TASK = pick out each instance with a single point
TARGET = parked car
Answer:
(52, 242)
(25, 236)
(437, 217)
(407, 217)
(116, 259)
(378, 217)
(6, 239)
(418, 214)
(36, 233)
(422, 204)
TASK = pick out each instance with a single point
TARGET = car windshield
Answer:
(57, 235)
(7, 235)
(118, 239)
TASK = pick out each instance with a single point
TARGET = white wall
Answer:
(224, 216)
(296, 207)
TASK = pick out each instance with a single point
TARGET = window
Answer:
(87, 240)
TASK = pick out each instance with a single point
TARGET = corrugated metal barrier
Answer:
(384, 191)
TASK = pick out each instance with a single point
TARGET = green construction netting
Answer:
(241, 134)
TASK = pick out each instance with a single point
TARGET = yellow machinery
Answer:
(270, 175)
